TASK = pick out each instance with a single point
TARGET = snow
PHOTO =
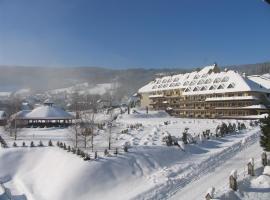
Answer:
(203, 82)
(263, 80)
(263, 181)
(48, 112)
(266, 170)
(2, 190)
(2, 113)
(231, 98)
(234, 173)
(44, 112)
(85, 88)
(259, 106)
(150, 170)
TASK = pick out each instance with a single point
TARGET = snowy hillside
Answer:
(150, 170)
(84, 88)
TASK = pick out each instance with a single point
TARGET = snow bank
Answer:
(2, 190)
(51, 173)
(266, 170)
(262, 181)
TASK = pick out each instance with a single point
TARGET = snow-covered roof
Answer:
(231, 98)
(263, 80)
(2, 114)
(44, 112)
(205, 81)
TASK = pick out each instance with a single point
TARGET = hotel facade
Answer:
(208, 93)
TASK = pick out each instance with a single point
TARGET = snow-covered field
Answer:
(150, 170)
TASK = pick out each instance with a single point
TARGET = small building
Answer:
(46, 115)
(3, 118)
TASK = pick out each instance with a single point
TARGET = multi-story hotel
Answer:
(208, 93)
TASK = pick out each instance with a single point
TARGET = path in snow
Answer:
(218, 178)
(193, 168)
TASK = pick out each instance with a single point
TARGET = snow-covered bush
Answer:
(32, 144)
(14, 144)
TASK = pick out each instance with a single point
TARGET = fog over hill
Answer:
(44, 78)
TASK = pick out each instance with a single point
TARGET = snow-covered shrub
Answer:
(14, 144)
(40, 144)
(266, 170)
(86, 157)
(32, 144)
(78, 152)
(106, 152)
(116, 151)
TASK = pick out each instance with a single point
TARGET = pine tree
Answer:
(50, 143)
(265, 136)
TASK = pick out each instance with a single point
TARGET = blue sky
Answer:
(133, 33)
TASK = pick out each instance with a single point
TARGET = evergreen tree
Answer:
(50, 144)
(265, 136)
(184, 137)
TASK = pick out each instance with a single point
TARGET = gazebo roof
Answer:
(45, 112)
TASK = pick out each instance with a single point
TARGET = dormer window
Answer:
(225, 79)
(203, 88)
(200, 82)
(195, 89)
(208, 81)
(187, 90)
(220, 87)
(217, 80)
(211, 87)
(196, 76)
(192, 83)
(175, 79)
(231, 85)
(186, 83)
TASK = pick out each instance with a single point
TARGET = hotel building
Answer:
(208, 93)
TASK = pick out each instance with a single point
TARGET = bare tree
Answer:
(13, 124)
(76, 130)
